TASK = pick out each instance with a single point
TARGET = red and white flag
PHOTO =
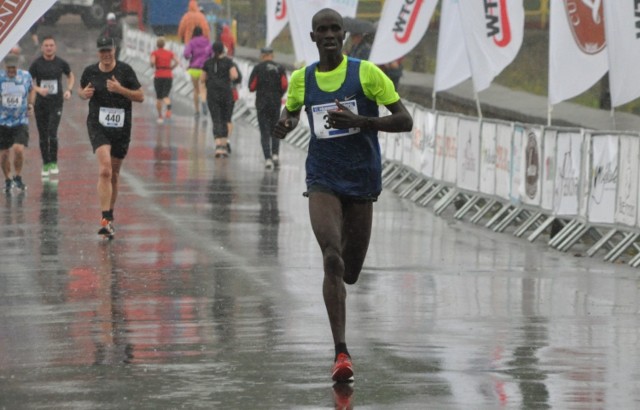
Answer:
(16, 17)
(493, 33)
(300, 14)
(577, 47)
(402, 25)
(623, 45)
(277, 18)
(452, 62)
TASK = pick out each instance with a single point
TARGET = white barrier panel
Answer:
(438, 163)
(568, 166)
(548, 168)
(584, 187)
(488, 158)
(427, 121)
(532, 149)
(627, 195)
(604, 179)
(410, 153)
(468, 171)
(516, 190)
(503, 161)
(451, 149)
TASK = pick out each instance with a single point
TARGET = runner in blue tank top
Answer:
(341, 98)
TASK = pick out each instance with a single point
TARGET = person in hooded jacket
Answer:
(190, 20)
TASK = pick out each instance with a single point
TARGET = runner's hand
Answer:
(283, 127)
(87, 92)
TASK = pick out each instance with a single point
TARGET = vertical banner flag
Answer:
(623, 46)
(401, 27)
(277, 18)
(300, 14)
(493, 33)
(452, 62)
(577, 48)
(16, 17)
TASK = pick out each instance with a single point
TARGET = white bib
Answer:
(51, 85)
(321, 127)
(11, 100)
(111, 117)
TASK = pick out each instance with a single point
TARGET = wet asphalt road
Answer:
(210, 295)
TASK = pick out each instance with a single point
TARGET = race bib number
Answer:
(321, 127)
(111, 117)
(12, 100)
(51, 85)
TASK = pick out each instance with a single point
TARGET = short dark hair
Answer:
(197, 31)
(218, 47)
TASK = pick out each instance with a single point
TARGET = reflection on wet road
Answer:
(210, 295)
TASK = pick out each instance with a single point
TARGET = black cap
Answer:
(105, 43)
(11, 60)
(266, 50)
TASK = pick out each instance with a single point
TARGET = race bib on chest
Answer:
(12, 95)
(111, 117)
(12, 100)
(321, 127)
(51, 85)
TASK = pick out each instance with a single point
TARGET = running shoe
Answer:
(8, 184)
(342, 369)
(276, 160)
(53, 168)
(106, 228)
(167, 114)
(160, 120)
(45, 170)
(17, 182)
(268, 164)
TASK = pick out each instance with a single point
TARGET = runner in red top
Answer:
(164, 61)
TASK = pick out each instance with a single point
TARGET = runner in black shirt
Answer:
(269, 80)
(110, 87)
(47, 71)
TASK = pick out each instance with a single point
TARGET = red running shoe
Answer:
(342, 368)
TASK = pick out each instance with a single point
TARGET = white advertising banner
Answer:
(577, 48)
(16, 18)
(428, 122)
(451, 149)
(531, 186)
(627, 195)
(548, 168)
(401, 27)
(503, 161)
(300, 14)
(623, 46)
(488, 157)
(493, 33)
(277, 18)
(452, 61)
(568, 165)
(468, 172)
(604, 178)
(438, 163)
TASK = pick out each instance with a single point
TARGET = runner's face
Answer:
(107, 56)
(328, 33)
(12, 71)
(48, 48)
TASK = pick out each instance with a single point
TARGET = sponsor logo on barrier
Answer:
(532, 166)
(603, 175)
(498, 23)
(587, 24)
(281, 10)
(469, 163)
(406, 20)
(10, 13)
